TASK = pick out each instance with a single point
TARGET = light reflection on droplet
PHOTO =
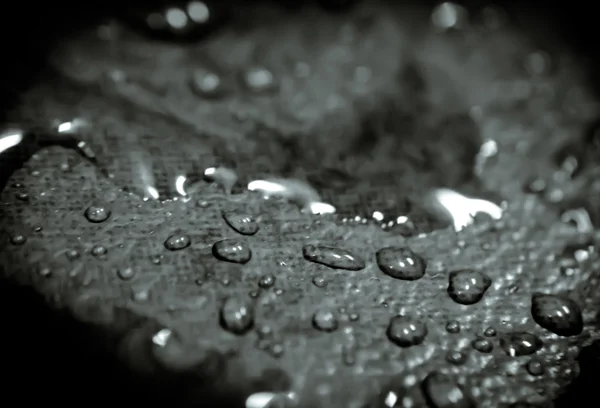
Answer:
(176, 18)
(198, 11)
(259, 399)
(294, 191)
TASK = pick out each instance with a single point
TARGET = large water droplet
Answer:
(482, 345)
(557, 313)
(243, 223)
(333, 257)
(442, 391)
(325, 320)
(237, 315)
(232, 250)
(467, 286)
(520, 343)
(401, 263)
(406, 331)
(177, 242)
(97, 213)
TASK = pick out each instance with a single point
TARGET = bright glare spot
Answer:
(259, 399)
(176, 18)
(268, 188)
(10, 139)
(391, 399)
(319, 208)
(463, 209)
(152, 192)
(209, 172)
(162, 337)
(180, 185)
(448, 15)
(198, 11)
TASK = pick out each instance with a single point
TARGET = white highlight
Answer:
(463, 209)
(10, 139)
(259, 399)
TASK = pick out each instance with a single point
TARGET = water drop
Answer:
(177, 241)
(453, 327)
(557, 313)
(207, 84)
(319, 281)
(45, 272)
(467, 286)
(482, 345)
(22, 196)
(266, 281)
(535, 367)
(520, 344)
(242, 223)
(406, 331)
(490, 332)
(442, 391)
(332, 257)
(72, 254)
(401, 263)
(259, 79)
(237, 315)
(232, 250)
(140, 295)
(276, 350)
(99, 250)
(456, 357)
(325, 320)
(126, 273)
(97, 213)
(18, 239)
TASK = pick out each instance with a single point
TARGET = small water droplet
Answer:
(520, 344)
(442, 391)
(207, 84)
(126, 273)
(406, 331)
(18, 239)
(232, 250)
(140, 295)
(490, 332)
(99, 250)
(482, 345)
(401, 263)
(237, 315)
(453, 327)
(325, 320)
(266, 281)
(45, 272)
(467, 286)
(97, 213)
(535, 367)
(319, 281)
(22, 196)
(557, 313)
(242, 223)
(276, 350)
(259, 79)
(72, 254)
(333, 257)
(456, 357)
(177, 242)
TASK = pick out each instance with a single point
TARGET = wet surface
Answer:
(336, 214)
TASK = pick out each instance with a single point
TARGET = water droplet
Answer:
(99, 250)
(520, 344)
(442, 391)
(401, 263)
(97, 213)
(482, 345)
(557, 313)
(406, 331)
(207, 84)
(45, 272)
(490, 332)
(467, 286)
(453, 327)
(535, 367)
(237, 315)
(333, 257)
(22, 196)
(140, 295)
(325, 320)
(18, 239)
(276, 350)
(242, 223)
(266, 281)
(456, 357)
(72, 254)
(126, 273)
(319, 281)
(177, 242)
(232, 250)
(259, 79)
